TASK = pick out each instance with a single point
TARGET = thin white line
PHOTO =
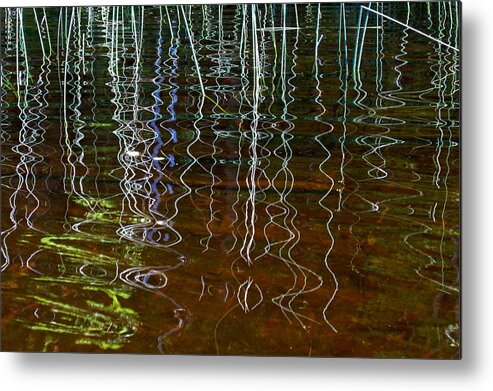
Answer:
(411, 28)
(203, 287)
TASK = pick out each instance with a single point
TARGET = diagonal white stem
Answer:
(411, 28)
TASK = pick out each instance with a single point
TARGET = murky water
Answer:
(247, 180)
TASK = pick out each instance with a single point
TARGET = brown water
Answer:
(236, 180)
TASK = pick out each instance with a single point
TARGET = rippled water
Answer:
(241, 179)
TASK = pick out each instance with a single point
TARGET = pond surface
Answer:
(234, 180)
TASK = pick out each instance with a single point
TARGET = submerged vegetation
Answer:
(239, 179)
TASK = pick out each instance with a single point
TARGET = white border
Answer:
(474, 372)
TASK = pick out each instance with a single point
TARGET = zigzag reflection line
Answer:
(28, 140)
(331, 181)
(286, 208)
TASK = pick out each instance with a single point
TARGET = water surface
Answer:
(235, 180)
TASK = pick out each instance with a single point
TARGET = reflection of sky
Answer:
(174, 97)
(156, 108)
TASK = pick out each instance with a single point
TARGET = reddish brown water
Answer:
(297, 196)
